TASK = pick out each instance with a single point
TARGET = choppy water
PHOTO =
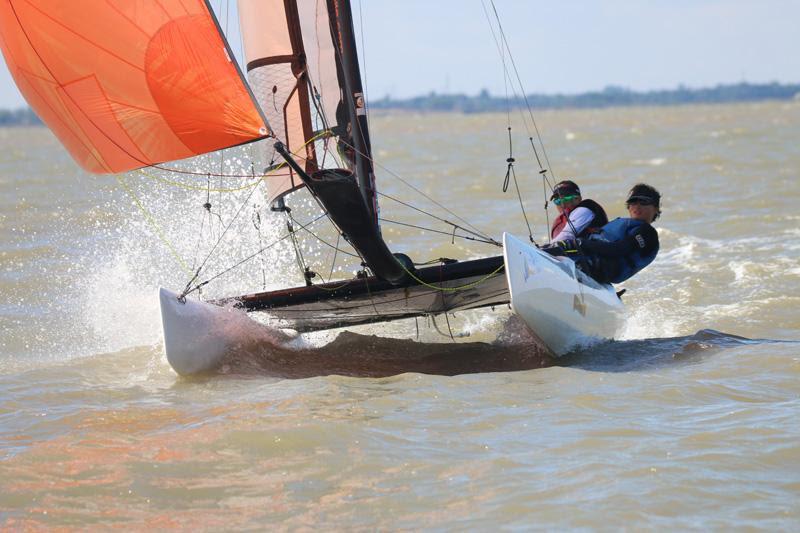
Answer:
(689, 421)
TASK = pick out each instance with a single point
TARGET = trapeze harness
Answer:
(600, 219)
(620, 268)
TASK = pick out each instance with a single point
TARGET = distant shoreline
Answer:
(24, 116)
(484, 102)
(608, 97)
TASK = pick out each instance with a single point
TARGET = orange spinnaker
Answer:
(128, 83)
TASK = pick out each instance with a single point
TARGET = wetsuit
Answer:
(619, 250)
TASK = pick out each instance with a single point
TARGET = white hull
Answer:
(545, 292)
(197, 335)
(562, 311)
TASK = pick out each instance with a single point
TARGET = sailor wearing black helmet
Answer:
(576, 217)
(622, 247)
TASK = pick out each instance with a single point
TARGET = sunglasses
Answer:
(640, 201)
(565, 199)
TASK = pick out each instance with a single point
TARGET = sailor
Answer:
(622, 247)
(576, 217)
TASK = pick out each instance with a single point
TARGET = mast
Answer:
(343, 34)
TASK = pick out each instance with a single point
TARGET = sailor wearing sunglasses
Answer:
(576, 217)
(622, 247)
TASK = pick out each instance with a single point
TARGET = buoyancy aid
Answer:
(600, 219)
(627, 265)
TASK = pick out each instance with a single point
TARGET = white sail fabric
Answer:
(291, 68)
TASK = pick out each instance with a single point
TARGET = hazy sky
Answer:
(413, 47)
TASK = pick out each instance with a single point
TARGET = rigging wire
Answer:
(188, 290)
(510, 172)
(257, 224)
(206, 187)
(203, 173)
(506, 47)
(455, 226)
(448, 233)
(421, 193)
(335, 254)
(298, 254)
(502, 49)
(326, 243)
(219, 240)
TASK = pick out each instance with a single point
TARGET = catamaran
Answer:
(132, 85)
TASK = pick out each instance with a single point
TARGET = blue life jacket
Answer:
(630, 264)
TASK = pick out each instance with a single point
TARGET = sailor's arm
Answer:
(644, 239)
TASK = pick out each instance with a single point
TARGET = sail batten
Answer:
(129, 84)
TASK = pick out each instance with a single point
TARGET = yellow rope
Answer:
(443, 289)
(153, 223)
(460, 287)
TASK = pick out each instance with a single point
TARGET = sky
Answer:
(413, 47)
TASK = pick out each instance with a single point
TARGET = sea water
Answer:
(689, 420)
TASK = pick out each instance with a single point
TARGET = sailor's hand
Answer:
(569, 246)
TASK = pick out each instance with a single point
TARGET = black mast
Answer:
(343, 35)
(349, 195)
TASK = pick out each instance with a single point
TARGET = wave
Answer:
(640, 354)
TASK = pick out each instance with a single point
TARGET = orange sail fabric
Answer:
(128, 83)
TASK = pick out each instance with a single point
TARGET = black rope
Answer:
(511, 173)
(546, 194)
(522, 206)
(510, 162)
(298, 254)
(442, 260)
